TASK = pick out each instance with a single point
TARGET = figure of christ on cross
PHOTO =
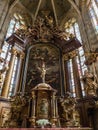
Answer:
(43, 71)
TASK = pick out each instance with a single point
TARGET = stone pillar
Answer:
(56, 108)
(89, 29)
(32, 119)
(8, 77)
(33, 104)
(76, 77)
(21, 56)
(53, 108)
(66, 74)
(56, 112)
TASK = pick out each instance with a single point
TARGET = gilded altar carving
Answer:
(17, 103)
(90, 82)
(43, 30)
(69, 55)
(91, 57)
(70, 113)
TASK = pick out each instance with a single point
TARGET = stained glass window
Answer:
(72, 84)
(12, 85)
(14, 24)
(74, 28)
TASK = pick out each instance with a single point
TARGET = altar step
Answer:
(46, 129)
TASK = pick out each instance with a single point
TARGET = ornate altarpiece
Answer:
(49, 55)
(49, 47)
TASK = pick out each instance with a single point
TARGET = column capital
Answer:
(21, 55)
(0, 50)
(14, 51)
(54, 95)
(33, 94)
(65, 56)
(73, 54)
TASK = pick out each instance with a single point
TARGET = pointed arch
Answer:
(75, 7)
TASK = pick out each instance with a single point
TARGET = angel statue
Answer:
(90, 83)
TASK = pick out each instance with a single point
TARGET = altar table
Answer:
(46, 129)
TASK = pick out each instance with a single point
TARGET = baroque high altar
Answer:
(42, 94)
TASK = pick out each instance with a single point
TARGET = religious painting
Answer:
(43, 66)
(43, 104)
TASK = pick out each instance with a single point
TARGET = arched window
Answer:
(93, 10)
(72, 27)
(14, 24)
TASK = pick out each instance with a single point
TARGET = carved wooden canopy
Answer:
(45, 31)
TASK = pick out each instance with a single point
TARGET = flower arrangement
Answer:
(42, 122)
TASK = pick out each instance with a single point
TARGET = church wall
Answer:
(4, 5)
(3, 11)
(92, 37)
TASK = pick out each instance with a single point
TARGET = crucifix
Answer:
(43, 70)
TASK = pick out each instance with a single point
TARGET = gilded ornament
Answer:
(90, 82)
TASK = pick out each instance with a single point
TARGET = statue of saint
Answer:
(1, 74)
(68, 106)
(70, 113)
(90, 82)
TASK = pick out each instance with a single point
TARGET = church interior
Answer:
(49, 64)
